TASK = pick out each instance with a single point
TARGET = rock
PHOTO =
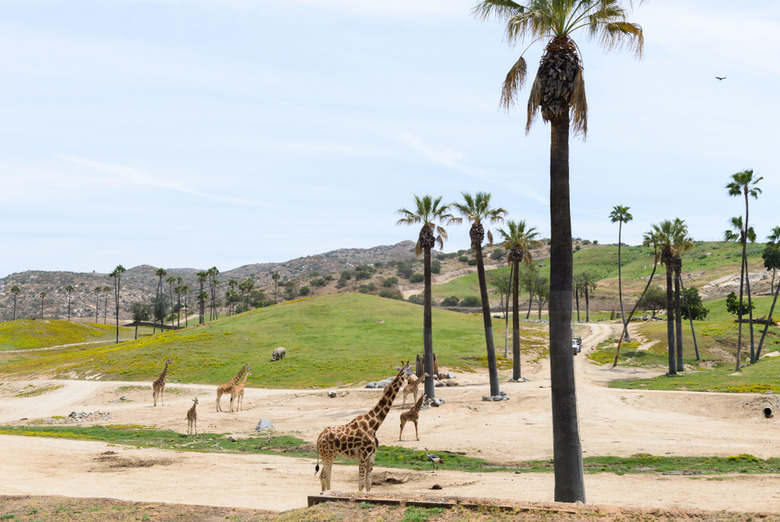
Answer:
(496, 398)
(371, 385)
(264, 424)
(332, 394)
(436, 486)
(436, 402)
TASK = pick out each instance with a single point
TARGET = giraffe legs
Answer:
(219, 396)
(325, 474)
(415, 431)
(403, 422)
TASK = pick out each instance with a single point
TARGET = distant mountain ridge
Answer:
(139, 283)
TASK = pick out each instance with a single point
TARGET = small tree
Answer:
(141, 312)
(733, 306)
(697, 309)
(15, 290)
(654, 299)
(69, 290)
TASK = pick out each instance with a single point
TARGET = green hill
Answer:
(330, 340)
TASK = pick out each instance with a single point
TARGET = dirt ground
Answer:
(612, 422)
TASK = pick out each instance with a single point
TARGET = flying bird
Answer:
(720, 77)
(435, 459)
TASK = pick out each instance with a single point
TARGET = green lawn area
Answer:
(335, 340)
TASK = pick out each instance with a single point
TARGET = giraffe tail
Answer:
(317, 467)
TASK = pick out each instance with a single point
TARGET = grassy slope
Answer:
(330, 340)
(707, 261)
(27, 334)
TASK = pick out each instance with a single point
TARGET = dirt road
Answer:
(612, 422)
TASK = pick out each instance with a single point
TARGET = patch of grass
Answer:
(36, 333)
(33, 391)
(391, 456)
(420, 514)
(331, 340)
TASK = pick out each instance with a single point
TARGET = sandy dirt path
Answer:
(612, 422)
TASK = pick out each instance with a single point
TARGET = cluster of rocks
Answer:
(496, 398)
(441, 377)
(81, 416)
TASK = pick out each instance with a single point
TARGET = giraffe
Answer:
(357, 438)
(228, 386)
(158, 386)
(192, 418)
(413, 386)
(412, 415)
(238, 393)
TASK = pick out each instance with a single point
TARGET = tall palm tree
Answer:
(117, 275)
(743, 184)
(97, 291)
(647, 240)
(202, 278)
(477, 210)
(771, 263)
(158, 304)
(69, 290)
(743, 235)
(773, 244)
(179, 281)
(576, 282)
(672, 237)
(431, 213)
(587, 284)
(184, 290)
(275, 277)
(171, 280)
(106, 291)
(518, 241)
(213, 272)
(621, 214)
(559, 90)
(15, 290)
(248, 284)
(42, 295)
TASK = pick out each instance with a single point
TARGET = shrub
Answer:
(390, 282)
(472, 262)
(463, 259)
(416, 299)
(435, 267)
(450, 301)
(304, 291)
(390, 293)
(417, 278)
(367, 289)
(471, 301)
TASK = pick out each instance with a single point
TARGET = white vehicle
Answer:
(576, 344)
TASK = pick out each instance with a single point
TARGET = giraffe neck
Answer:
(234, 380)
(417, 406)
(377, 414)
(164, 373)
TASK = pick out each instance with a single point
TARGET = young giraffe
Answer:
(158, 386)
(412, 415)
(238, 393)
(412, 387)
(228, 386)
(357, 438)
(192, 418)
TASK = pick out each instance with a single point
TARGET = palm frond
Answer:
(579, 106)
(502, 9)
(534, 102)
(513, 82)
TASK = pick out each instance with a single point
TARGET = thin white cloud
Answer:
(137, 177)
(453, 159)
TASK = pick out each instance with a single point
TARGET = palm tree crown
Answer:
(743, 183)
(518, 241)
(477, 209)
(620, 214)
(559, 83)
(429, 211)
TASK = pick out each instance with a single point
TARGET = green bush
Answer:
(417, 278)
(450, 301)
(471, 301)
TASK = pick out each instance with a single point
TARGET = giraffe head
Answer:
(195, 401)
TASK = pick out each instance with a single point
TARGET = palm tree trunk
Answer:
(488, 322)
(750, 312)
(516, 375)
(766, 326)
(620, 284)
(531, 299)
(587, 305)
(739, 303)
(636, 305)
(678, 319)
(577, 298)
(567, 449)
(506, 313)
(690, 319)
(430, 390)
(670, 320)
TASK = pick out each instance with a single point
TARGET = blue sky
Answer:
(185, 133)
